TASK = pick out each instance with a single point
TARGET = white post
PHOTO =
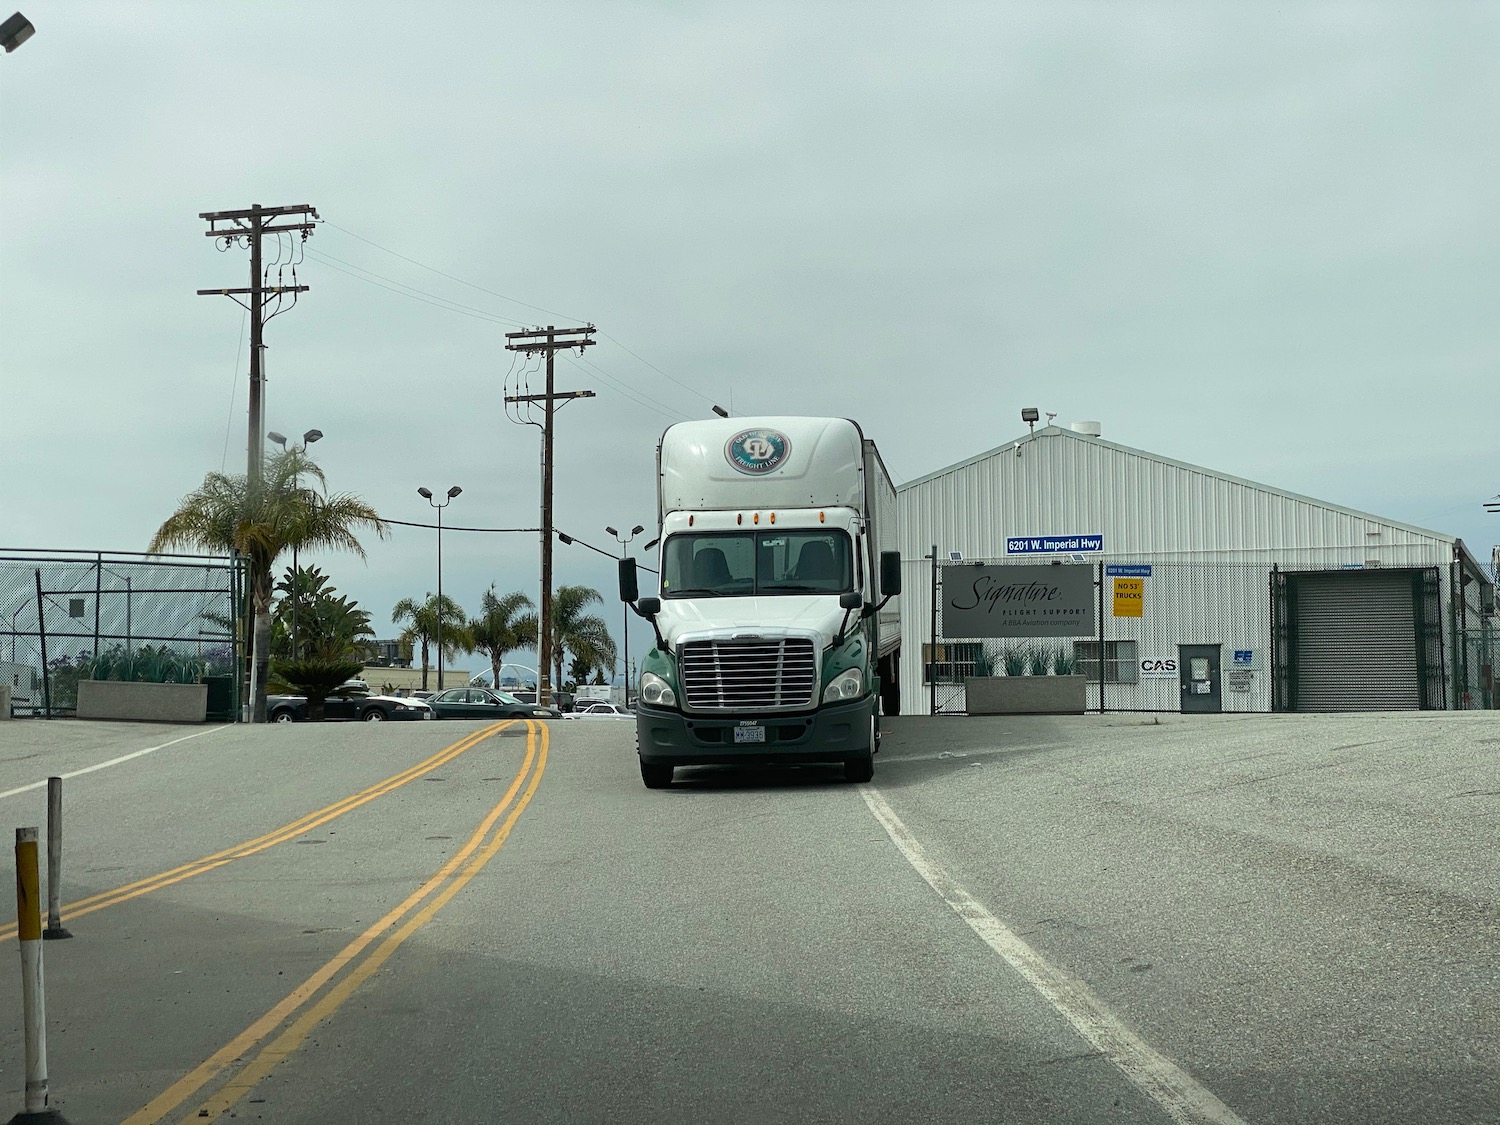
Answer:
(33, 1003)
(54, 861)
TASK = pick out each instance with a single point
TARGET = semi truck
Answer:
(776, 621)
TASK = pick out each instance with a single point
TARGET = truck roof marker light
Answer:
(740, 518)
(757, 517)
(690, 521)
(773, 517)
(822, 517)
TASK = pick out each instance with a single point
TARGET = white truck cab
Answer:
(776, 634)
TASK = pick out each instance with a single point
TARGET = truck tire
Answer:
(656, 775)
(859, 770)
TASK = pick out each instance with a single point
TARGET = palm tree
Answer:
(425, 620)
(261, 520)
(585, 635)
(501, 627)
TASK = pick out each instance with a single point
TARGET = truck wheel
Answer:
(656, 775)
(859, 770)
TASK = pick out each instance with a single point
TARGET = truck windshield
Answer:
(734, 564)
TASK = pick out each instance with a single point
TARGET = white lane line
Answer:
(1157, 1076)
(112, 762)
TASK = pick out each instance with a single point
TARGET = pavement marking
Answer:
(1158, 1077)
(112, 762)
(446, 882)
(270, 839)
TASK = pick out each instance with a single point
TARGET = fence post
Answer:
(54, 862)
(33, 1001)
(932, 650)
(41, 629)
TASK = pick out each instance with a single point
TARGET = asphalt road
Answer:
(1263, 919)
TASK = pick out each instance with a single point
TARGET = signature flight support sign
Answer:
(1018, 601)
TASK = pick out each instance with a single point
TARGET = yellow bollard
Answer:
(33, 1001)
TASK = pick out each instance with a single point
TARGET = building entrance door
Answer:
(1202, 684)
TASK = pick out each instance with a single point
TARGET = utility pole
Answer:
(247, 228)
(548, 340)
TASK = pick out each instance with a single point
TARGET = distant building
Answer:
(1211, 593)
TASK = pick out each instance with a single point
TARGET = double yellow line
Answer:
(270, 839)
(401, 922)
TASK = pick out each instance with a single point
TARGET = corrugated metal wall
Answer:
(1148, 509)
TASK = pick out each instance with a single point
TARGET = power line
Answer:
(449, 276)
(415, 294)
(503, 297)
(640, 398)
(658, 370)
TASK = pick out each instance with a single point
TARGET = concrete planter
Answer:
(152, 703)
(1026, 695)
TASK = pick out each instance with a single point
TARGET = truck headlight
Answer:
(656, 691)
(848, 684)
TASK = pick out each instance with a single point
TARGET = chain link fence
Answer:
(112, 615)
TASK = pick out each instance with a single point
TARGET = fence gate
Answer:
(64, 614)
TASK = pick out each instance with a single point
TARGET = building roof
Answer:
(1055, 431)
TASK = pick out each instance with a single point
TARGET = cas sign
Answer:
(1163, 668)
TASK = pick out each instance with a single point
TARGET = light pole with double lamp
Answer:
(307, 439)
(426, 494)
(624, 542)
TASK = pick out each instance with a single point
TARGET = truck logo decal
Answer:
(757, 451)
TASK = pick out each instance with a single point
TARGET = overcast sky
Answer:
(1257, 238)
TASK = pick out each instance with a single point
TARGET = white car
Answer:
(598, 709)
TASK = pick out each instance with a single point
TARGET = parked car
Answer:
(348, 704)
(482, 703)
(599, 709)
(561, 700)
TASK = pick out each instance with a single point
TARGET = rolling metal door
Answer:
(1356, 642)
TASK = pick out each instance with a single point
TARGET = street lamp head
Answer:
(311, 436)
(565, 538)
(721, 412)
(613, 532)
(425, 493)
(279, 439)
(15, 31)
(636, 530)
(454, 491)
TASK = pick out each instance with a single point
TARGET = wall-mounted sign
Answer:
(1052, 544)
(1018, 601)
(1239, 679)
(1127, 570)
(1159, 668)
(1246, 658)
(1130, 597)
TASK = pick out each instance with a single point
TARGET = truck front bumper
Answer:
(839, 732)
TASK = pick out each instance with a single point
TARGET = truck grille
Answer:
(749, 675)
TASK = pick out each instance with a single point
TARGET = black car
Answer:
(482, 703)
(347, 706)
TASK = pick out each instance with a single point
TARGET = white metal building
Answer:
(1301, 604)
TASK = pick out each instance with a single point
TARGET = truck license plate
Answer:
(749, 734)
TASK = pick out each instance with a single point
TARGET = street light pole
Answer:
(624, 542)
(307, 439)
(427, 495)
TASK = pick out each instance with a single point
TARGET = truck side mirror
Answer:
(629, 588)
(649, 607)
(890, 573)
(852, 600)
